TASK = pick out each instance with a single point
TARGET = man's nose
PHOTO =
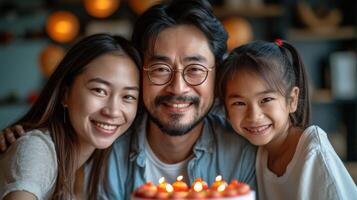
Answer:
(178, 85)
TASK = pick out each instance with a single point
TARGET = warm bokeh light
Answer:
(239, 32)
(139, 6)
(49, 58)
(101, 8)
(62, 26)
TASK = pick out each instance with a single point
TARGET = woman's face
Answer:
(102, 101)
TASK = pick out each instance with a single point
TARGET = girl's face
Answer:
(256, 112)
(102, 101)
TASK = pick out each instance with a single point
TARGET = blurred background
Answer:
(35, 35)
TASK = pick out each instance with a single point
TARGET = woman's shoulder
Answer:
(34, 139)
(30, 164)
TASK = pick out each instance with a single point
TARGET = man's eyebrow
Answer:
(157, 57)
(196, 58)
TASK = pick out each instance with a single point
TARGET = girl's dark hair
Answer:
(168, 14)
(279, 64)
(48, 112)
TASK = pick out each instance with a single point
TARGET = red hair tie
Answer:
(279, 42)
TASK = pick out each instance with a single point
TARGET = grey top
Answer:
(30, 164)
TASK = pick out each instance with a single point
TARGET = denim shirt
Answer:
(218, 151)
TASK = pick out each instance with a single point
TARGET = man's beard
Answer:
(173, 127)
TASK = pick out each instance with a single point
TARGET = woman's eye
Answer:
(99, 91)
(130, 98)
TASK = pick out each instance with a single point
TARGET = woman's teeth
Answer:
(108, 127)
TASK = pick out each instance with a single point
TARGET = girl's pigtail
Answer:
(302, 116)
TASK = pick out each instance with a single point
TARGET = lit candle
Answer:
(180, 188)
(198, 190)
(179, 185)
(164, 189)
(199, 181)
(161, 187)
(219, 184)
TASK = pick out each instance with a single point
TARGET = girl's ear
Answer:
(293, 99)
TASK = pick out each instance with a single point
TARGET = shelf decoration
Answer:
(62, 26)
(239, 31)
(315, 21)
(101, 8)
(140, 6)
(49, 58)
(343, 75)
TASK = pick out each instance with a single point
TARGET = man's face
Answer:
(177, 107)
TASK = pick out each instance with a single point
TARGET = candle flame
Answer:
(169, 188)
(221, 188)
(162, 179)
(198, 187)
(179, 178)
(219, 178)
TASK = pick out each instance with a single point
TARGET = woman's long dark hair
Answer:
(48, 112)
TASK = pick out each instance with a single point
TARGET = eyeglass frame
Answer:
(178, 70)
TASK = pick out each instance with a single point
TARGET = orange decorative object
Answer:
(219, 184)
(163, 186)
(62, 26)
(101, 8)
(147, 190)
(239, 32)
(140, 6)
(199, 185)
(179, 185)
(49, 58)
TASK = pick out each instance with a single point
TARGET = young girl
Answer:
(265, 91)
(88, 102)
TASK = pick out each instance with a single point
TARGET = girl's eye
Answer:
(99, 92)
(267, 99)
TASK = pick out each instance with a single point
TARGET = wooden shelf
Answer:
(271, 10)
(341, 33)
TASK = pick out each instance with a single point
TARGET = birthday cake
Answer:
(199, 190)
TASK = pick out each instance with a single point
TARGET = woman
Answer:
(88, 102)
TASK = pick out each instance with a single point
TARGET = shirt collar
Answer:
(204, 143)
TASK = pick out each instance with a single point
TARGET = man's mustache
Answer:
(167, 98)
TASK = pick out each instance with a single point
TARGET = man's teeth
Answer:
(182, 105)
(258, 129)
(106, 126)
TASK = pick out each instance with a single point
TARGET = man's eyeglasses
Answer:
(193, 74)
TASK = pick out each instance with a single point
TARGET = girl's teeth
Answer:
(259, 129)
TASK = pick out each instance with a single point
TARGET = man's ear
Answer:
(293, 99)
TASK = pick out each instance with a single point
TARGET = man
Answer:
(182, 46)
